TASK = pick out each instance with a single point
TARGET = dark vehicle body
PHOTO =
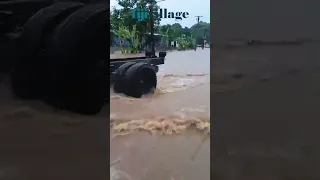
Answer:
(54, 51)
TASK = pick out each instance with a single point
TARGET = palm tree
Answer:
(131, 36)
(166, 36)
(185, 42)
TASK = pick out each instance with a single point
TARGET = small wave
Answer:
(186, 75)
(116, 174)
(163, 125)
(114, 97)
(176, 88)
(157, 91)
(172, 88)
(167, 84)
(163, 89)
(174, 83)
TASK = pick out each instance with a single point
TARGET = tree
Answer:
(187, 37)
(187, 32)
(167, 34)
(198, 30)
(123, 17)
(131, 36)
(167, 37)
(185, 42)
(177, 30)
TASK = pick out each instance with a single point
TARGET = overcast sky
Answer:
(193, 7)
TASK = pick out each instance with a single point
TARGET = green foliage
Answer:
(198, 31)
(133, 30)
(167, 35)
(185, 42)
(123, 16)
(131, 36)
(175, 32)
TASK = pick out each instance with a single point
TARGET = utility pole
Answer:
(198, 18)
(205, 31)
(151, 16)
(153, 53)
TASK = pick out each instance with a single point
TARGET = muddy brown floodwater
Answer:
(266, 112)
(165, 135)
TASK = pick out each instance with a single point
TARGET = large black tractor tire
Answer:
(30, 63)
(119, 83)
(21, 11)
(76, 77)
(139, 79)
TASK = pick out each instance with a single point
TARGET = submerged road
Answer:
(178, 116)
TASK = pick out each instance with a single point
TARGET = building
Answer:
(115, 40)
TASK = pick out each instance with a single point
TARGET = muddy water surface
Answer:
(165, 135)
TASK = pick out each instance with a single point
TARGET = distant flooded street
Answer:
(181, 102)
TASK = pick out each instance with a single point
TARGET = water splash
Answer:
(116, 174)
(164, 125)
(186, 75)
(168, 83)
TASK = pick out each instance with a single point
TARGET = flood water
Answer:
(165, 135)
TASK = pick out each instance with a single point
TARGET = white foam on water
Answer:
(175, 122)
(169, 125)
(116, 174)
(166, 84)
